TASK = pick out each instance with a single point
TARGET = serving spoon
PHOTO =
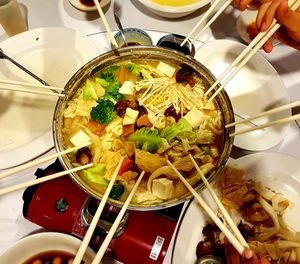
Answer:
(120, 27)
(4, 56)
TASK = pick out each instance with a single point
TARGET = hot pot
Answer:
(157, 53)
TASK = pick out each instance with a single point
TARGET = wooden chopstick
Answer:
(116, 223)
(232, 239)
(108, 29)
(39, 161)
(30, 85)
(206, 15)
(247, 54)
(43, 179)
(93, 224)
(276, 122)
(269, 112)
(227, 217)
(216, 15)
(32, 91)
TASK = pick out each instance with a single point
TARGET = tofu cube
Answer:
(162, 188)
(166, 69)
(127, 88)
(130, 116)
(80, 138)
(117, 130)
(194, 117)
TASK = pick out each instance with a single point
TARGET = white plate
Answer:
(257, 87)
(277, 171)
(53, 54)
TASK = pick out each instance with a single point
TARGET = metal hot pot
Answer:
(143, 52)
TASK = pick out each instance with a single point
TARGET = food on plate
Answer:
(258, 212)
(148, 111)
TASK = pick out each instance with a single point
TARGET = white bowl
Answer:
(35, 244)
(79, 5)
(173, 11)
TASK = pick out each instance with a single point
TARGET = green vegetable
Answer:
(104, 111)
(89, 92)
(95, 175)
(102, 82)
(109, 74)
(182, 126)
(146, 139)
(112, 91)
(108, 80)
(116, 191)
(206, 150)
(133, 68)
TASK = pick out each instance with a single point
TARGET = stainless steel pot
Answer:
(143, 52)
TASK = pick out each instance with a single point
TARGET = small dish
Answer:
(245, 26)
(39, 243)
(173, 41)
(178, 9)
(133, 36)
(88, 5)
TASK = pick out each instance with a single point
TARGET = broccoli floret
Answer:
(116, 191)
(180, 127)
(112, 87)
(109, 74)
(146, 139)
(104, 111)
(133, 68)
(112, 91)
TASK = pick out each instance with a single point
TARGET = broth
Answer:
(49, 256)
(149, 111)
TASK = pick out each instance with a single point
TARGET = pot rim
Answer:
(148, 52)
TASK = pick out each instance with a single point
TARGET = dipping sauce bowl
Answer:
(133, 36)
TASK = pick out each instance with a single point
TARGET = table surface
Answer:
(60, 13)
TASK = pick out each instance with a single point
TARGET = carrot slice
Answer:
(96, 128)
(128, 130)
(123, 74)
(126, 165)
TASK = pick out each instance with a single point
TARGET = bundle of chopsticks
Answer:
(25, 87)
(240, 61)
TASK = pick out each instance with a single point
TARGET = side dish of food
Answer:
(258, 212)
(148, 111)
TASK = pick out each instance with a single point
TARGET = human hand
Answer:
(249, 257)
(243, 4)
(289, 33)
